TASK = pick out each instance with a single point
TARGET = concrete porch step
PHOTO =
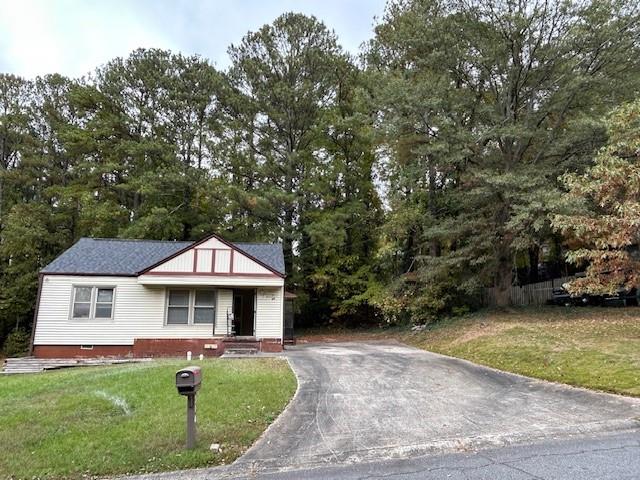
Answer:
(240, 350)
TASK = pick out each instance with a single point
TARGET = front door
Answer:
(243, 311)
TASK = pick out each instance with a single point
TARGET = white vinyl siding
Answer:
(139, 310)
(205, 261)
(181, 263)
(213, 243)
(225, 305)
(269, 314)
(223, 261)
(243, 264)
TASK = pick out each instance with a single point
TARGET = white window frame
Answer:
(191, 306)
(194, 293)
(188, 307)
(92, 302)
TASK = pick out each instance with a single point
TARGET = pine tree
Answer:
(300, 159)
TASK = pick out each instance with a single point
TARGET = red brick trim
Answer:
(215, 274)
(70, 351)
(177, 347)
(156, 347)
(271, 345)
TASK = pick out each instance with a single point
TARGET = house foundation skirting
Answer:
(157, 347)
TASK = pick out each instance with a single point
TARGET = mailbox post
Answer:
(188, 382)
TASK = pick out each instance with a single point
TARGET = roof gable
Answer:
(215, 256)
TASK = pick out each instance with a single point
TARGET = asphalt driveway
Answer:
(373, 401)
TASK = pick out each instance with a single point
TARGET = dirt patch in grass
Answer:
(480, 330)
(340, 336)
(87, 422)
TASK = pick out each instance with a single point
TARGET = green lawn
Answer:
(85, 422)
(597, 348)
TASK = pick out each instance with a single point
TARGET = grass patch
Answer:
(86, 422)
(595, 348)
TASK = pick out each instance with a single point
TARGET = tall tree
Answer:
(283, 78)
(341, 222)
(15, 94)
(487, 103)
(43, 185)
(300, 160)
(604, 224)
(150, 124)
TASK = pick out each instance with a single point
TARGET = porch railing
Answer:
(230, 324)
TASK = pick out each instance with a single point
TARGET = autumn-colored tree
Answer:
(605, 220)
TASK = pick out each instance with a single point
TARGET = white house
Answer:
(113, 297)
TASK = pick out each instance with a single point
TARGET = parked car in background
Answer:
(622, 298)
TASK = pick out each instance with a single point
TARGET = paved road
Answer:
(608, 457)
(359, 403)
(603, 456)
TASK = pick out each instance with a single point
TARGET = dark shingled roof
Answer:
(113, 256)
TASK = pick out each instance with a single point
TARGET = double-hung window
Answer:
(178, 307)
(91, 302)
(204, 306)
(190, 307)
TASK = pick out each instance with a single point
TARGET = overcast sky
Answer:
(73, 37)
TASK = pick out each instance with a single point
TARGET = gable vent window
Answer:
(190, 307)
(91, 302)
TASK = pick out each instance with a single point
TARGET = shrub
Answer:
(16, 344)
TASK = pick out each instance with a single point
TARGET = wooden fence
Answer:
(532, 294)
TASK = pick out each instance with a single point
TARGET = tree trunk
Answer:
(534, 253)
(503, 278)
(434, 245)
(287, 240)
